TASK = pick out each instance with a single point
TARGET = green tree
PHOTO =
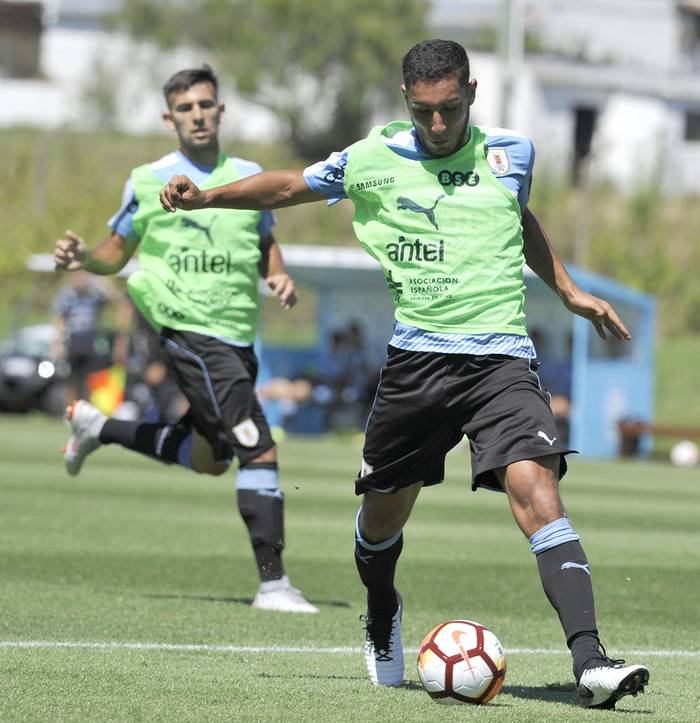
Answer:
(322, 66)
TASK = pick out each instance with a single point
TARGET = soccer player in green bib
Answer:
(198, 287)
(442, 205)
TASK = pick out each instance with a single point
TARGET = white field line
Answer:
(227, 649)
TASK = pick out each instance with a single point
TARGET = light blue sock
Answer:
(554, 534)
(262, 480)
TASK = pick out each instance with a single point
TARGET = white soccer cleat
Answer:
(603, 686)
(384, 649)
(281, 596)
(86, 421)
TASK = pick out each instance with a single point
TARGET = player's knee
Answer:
(208, 457)
(379, 525)
(211, 466)
(384, 516)
(267, 457)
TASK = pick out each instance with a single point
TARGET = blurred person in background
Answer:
(77, 313)
(198, 288)
(442, 204)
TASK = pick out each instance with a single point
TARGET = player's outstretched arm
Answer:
(109, 256)
(543, 260)
(262, 191)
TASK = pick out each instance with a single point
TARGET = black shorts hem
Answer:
(403, 472)
(484, 476)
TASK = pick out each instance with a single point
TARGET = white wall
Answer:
(69, 59)
(639, 32)
(632, 138)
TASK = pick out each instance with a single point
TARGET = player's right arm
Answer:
(108, 257)
(260, 192)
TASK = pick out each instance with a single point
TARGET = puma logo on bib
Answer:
(406, 204)
(186, 222)
(246, 433)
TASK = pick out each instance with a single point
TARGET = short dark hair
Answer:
(185, 79)
(433, 60)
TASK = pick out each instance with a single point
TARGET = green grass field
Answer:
(125, 590)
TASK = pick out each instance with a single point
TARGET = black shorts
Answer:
(218, 380)
(427, 401)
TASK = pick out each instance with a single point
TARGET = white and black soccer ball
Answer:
(461, 661)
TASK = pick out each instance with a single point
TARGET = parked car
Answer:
(29, 378)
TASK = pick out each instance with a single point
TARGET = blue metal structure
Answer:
(609, 380)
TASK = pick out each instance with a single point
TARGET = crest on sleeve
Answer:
(498, 161)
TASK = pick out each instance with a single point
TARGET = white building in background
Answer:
(611, 85)
(76, 63)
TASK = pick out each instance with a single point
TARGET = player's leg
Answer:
(259, 497)
(532, 487)
(196, 441)
(515, 448)
(378, 544)
(176, 443)
(404, 448)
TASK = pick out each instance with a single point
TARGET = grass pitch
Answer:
(125, 591)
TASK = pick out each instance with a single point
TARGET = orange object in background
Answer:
(107, 387)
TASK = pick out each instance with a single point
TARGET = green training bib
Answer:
(198, 269)
(447, 233)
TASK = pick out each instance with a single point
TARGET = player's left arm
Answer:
(273, 270)
(543, 260)
(259, 192)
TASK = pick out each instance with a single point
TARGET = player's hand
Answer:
(599, 313)
(69, 253)
(285, 291)
(181, 192)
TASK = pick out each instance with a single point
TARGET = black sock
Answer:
(584, 649)
(263, 513)
(566, 580)
(160, 441)
(377, 568)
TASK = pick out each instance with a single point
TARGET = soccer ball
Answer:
(685, 454)
(461, 661)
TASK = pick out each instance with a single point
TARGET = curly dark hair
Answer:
(433, 60)
(185, 79)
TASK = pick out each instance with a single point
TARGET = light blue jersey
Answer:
(178, 164)
(511, 157)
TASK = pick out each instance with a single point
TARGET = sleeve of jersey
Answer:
(520, 152)
(326, 177)
(123, 220)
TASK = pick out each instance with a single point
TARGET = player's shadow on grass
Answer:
(553, 693)
(232, 600)
(564, 693)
